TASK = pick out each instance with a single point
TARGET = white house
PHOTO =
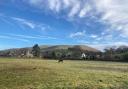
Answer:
(29, 54)
(83, 56)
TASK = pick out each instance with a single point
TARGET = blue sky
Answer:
(97, 23)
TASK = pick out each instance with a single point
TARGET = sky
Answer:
(97, 23)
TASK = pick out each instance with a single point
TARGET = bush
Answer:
(125, 56)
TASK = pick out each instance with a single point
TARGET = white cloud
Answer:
(37, 3)
(113, 13)
(13, 38)
(30, 36)
(93, 36)
(102, 46)
(72, 7)
(77, 34)
(5, 19)
(67, 3)
(55, 5)
(108, 45)
(32, 24)
(74, 10)
(86, 9)
(25, 22)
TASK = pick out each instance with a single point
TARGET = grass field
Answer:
(48, 74)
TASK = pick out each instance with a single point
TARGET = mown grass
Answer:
(48, 74)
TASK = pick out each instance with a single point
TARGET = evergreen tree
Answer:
(36, 50)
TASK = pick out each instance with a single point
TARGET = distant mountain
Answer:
(23, 52)
(78, 47)
(56, 47)
(68, 51)
(85, 48)
(122, 47)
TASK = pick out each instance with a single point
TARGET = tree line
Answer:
(110, 54)
(119, 53)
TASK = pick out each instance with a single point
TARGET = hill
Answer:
(65, 47)
(85, 48)
(51, 51)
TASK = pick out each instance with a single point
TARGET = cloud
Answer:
(25, 22)
(5, 19)
(55, 5)
(108, 45)
(74, 10)
(72, 7)
(113, 13)
(25, 38)
(77, 34)
(32, 24)
(31, 36)
(102, 46)
(13, 38)
(85, 10)
(93, 36)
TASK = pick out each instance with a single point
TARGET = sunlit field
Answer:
(49, 74)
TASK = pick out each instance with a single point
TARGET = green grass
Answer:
(48, 74)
